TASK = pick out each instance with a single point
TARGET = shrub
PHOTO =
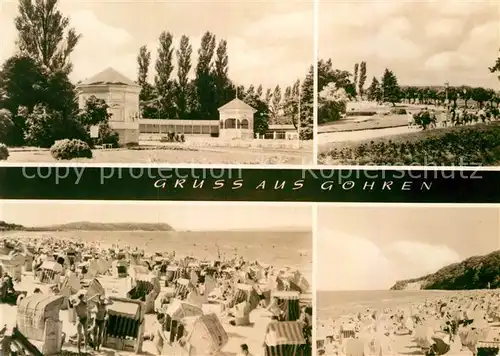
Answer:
(69, 149)
(108, 135)
(470, 146)
(132, 144)
(361, 113)
(45, 126)
(4, 152)
(6, 125)
(398, 111)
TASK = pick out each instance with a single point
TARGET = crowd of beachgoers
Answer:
(449, 323)
(125, 300)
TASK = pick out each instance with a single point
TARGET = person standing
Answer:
(81, 310)
(100, 315)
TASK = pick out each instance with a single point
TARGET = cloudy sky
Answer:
(181, 216)
(370, 248)
(423, 42)
(269, 42)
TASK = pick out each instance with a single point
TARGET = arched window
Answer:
(244, 124)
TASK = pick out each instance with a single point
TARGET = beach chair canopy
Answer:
(32, 312)
(178, 309)
(286, 295)
(208, 334)
(95, 288)
(125, 308)
(52, 266)
(284, 333)
(139, 269)
(70, 285)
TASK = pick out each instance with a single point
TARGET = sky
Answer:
(423, 42)
(181, 216)
(370, 248)
(269, 42)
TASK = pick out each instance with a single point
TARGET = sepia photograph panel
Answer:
(135, 278)
(216, 82)
(408, 280)
(409, 83)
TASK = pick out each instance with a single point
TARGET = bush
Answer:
(44, 127)
(469, 146)
(69, 149)
(4, 152)
(361, 113)
(108, 135)
(132, 144)
(6, 126)
(398, 111)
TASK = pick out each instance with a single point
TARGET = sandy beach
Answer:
(252, 334)
(340, 311)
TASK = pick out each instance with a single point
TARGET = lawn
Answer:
(381, 120)
(235, 152)
(358, 123)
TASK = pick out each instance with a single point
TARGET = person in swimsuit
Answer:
(100, 314)
(80, 306)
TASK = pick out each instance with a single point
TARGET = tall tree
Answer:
(183, 68)
(390, 87)
(496, 67)
(276, 104)
(362, 78)
(250, 91)
(143, 62)
(374, 91)
(204, 82)
(44, 34)
(163, 83)
(223, 89)
(356, 69)
(261, 116)
(291, 104)
(307, 106)
(259, 91)
(146, 94)
(268, 96)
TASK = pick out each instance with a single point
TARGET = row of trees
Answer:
(176, 96)
(38, 102)
(337, 87)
